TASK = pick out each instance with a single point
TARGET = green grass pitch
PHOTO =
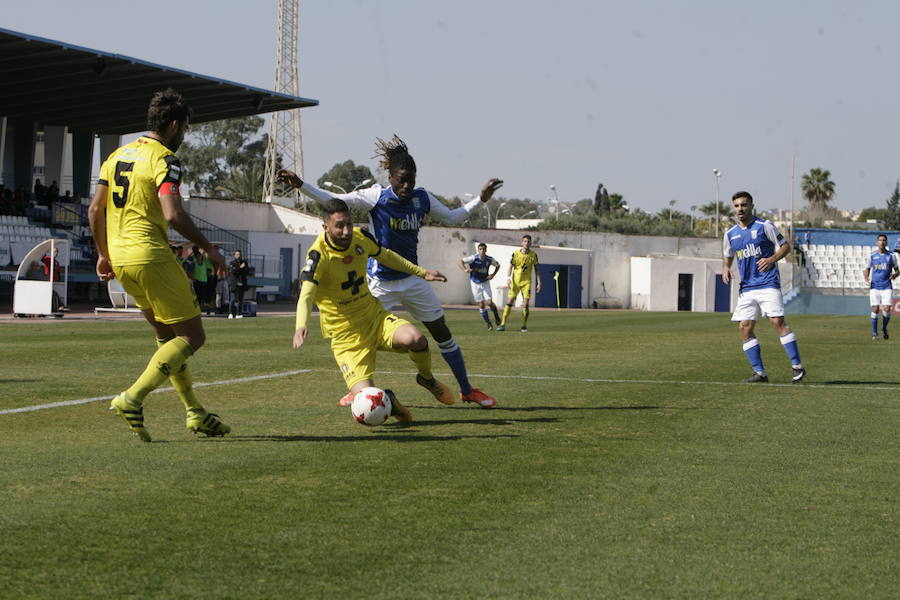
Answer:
(623, 461)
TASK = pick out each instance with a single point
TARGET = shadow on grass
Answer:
(410, 435)
(542, 408)
(848, 382)
(486, 421)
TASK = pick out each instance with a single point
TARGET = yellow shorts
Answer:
(354, 351)
(524, 288)
(162, 287)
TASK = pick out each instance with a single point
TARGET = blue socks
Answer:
(790, 346)
(484, 315)
(453, 355)
(754, 355)
(885, 317)
(874, 317)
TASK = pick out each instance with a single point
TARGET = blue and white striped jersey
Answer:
(881, 267)
(759, 240)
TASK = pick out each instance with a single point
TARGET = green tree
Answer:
(892, 216)
(878, 214)
(817, 188)
(214, 152)
(347, 175)
(243, 183)
(604, 202)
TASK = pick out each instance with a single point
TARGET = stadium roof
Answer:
(55, 83)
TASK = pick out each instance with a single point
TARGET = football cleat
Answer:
(132, 414)
(501, 327)
(489, 326)
(346, 400)
(799, 374)
(440, 391)
(524, 330)
(874, 338)
(398, 411)
(208, 424)
(757, 378)
(886, 336)
(479, 398)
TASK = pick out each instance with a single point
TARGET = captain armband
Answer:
(169, 189)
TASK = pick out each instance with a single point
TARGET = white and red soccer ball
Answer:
(371, 406)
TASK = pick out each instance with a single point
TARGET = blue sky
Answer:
(646, 97)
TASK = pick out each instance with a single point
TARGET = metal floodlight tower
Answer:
(285, 150)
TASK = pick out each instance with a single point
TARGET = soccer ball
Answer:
(371, 406)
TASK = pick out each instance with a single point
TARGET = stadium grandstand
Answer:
(59, 99)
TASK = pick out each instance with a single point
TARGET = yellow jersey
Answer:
(136, 230)
(339, 277)
(523, 264)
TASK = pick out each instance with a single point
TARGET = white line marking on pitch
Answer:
(165, 389)
(798, 387)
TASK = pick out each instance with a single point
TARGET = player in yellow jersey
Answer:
(335, 279)
(521, 267)
(137, 198)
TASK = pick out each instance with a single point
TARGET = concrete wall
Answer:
(611, 259)
(253, 216)
(654, 282)
(607, 271)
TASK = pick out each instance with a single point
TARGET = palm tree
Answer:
(817, 188)
(244, 183)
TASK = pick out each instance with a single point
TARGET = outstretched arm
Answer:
(449, 216)
(392, 260)
(366, 198)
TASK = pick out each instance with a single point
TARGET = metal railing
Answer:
(215, 234)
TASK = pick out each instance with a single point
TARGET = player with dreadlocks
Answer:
(396, 214)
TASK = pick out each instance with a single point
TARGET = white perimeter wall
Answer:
(607, 267)
(654, 282)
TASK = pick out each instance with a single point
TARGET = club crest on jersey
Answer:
(407, 223)
(749, 251)
(416, 204)
(753, 233)
(359, 250)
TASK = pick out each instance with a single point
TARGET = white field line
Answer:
(165, 389)
(798, 387)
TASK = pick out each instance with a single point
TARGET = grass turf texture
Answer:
(569, 488)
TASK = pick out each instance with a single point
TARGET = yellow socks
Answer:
(168, 359)
(422, 359)
(184, 385)
(506, 310)
(524, 316)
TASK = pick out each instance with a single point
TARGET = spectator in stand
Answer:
(198, 272)
(237, 282)
(53, 193)
(40, 193)
(19, 202)
(67, 198)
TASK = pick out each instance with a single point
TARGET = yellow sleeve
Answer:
(309, 282)
(304, 303)
(392, 260)
(105, 175)
(166, 169)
